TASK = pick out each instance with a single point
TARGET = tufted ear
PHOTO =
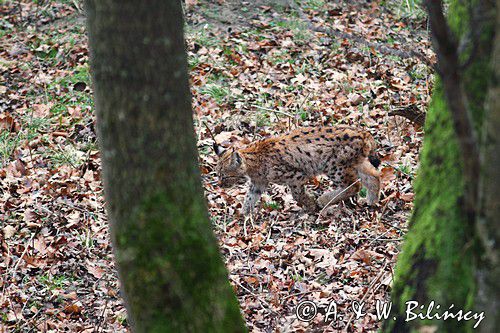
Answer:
(218, 149)
(235, 159)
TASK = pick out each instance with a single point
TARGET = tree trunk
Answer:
(169, 263)
(441, 253)
(489, 214)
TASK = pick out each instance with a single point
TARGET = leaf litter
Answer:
(256, 70)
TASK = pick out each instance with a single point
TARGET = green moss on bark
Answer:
(167, 249)
(437, 257)
(440, 254)
(173, 277)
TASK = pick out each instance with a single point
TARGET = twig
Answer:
(272, 110)
(257, 297)
(381, 239)
(299, 294)
(367, 293)
(303, 101)
(300, 106)
(22, 255)
(98, 328)
(209, 131)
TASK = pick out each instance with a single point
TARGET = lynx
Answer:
(343, 153)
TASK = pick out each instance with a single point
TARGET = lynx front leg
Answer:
(303, 199)
(251, 198)
(247, 218)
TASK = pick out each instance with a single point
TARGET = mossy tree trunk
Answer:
(172, 274)
(489, 214)
(443, 249)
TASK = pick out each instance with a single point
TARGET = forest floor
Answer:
(257, 69)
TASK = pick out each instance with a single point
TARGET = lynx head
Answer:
(230, 167)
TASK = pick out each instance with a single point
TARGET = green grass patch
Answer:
(217, 92)
(67, 155)
(273, 205)
(8, 144)
(202, 36)
(55, 281)
(313, 4)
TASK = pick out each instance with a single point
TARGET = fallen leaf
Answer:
(9, 231)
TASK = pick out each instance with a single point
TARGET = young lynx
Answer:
(343, 153)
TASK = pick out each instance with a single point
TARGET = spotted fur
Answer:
(343, 153)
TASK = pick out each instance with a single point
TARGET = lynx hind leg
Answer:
(370, 178)
(347, 187)
(304, 199)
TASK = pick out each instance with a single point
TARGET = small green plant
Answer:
(347, 87)
(122, 319)
(303, 114)
(405, 169)
(272, 205)
(280, 57)
(65, 155)
(35, 304)
(419, 72)
(216, 78)
(201, 36)
(89, 145)
(8, 144)
(262, 119)
(313, 4)
(54, 281)
(194, 61)
(298, 28)
(393, 57)
(58, 108)
(34, 126)
(322, 278)
(216, 92)
(409, 9)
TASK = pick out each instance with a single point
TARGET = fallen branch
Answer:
(406, 54)
(411, 113)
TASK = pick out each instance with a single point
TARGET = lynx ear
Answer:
(235, 159)
(218, 149)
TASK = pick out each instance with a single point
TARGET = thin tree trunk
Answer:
(169, 263)
(441, 254)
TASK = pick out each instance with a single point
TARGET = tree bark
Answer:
(442, 252)
(172, 274)
(487, 225)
